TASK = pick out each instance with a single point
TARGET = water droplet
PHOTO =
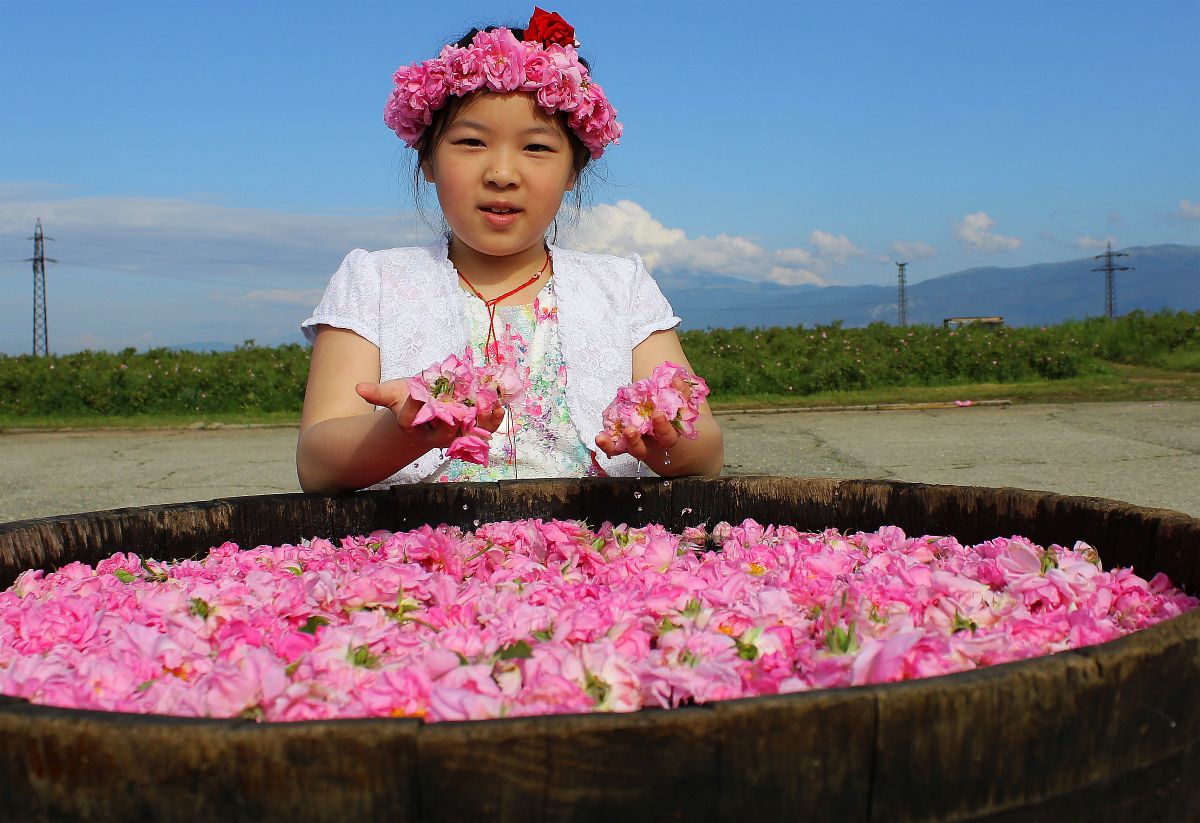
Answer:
(686, 511)
(666, 458)
(639, 508)
(637, 495)
(476, 522)
(464, 506)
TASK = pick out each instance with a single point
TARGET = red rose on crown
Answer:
(548, 27)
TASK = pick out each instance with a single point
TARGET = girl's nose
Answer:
(501, 176)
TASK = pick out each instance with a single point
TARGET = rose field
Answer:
(739, 364)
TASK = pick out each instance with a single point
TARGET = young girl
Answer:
(504, 123)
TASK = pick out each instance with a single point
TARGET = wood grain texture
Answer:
(101, 766)
(651, 765)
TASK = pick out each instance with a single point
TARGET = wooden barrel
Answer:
(1110, 732)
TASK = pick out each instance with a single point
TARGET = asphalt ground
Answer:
(1143, 453)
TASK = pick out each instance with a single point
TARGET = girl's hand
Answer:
(435, 434)
(661, 438)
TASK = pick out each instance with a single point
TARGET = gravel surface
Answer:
(1144, 453)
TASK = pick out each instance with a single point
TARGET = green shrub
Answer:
(796, 360)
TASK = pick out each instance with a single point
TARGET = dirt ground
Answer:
(1144, 453)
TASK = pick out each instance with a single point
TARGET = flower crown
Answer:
(544, 63)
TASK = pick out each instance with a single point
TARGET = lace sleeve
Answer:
(649, 310)
(351, 300)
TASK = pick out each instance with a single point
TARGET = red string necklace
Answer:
(492, 341)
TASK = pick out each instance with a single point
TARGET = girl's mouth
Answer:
(499, 216)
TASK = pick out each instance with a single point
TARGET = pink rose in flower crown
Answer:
(558, 95)
(594, 120)
(540, 69)
(503, 60)
(562, 86)
(464, 70)
(544, 62)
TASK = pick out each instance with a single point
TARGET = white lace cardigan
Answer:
(405, 301)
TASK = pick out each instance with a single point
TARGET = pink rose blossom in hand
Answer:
(457, 392)
(445, 389)
(503, 382)
(473, 448)
(635, 405)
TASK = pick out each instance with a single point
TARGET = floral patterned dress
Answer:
(537, 437)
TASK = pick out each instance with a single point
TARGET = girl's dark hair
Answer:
(443, 117)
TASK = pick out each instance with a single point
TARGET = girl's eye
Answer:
(538, 147)
(468, 141)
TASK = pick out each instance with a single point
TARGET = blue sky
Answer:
(205, 166)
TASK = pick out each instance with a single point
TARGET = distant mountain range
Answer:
(1165, 277)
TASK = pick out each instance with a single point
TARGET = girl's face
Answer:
(500, 170)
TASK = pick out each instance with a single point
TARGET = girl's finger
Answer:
(371, 392)
(606, 445)
(407, 411)
(664, 433)
(493, 420)
(635, 445)
(683, 387)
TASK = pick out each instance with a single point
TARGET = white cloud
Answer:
(795, 257)
(975, 232)
(625, 227)
(1088, 242)
(913, 249)
(1189, 210)
(838, 248)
